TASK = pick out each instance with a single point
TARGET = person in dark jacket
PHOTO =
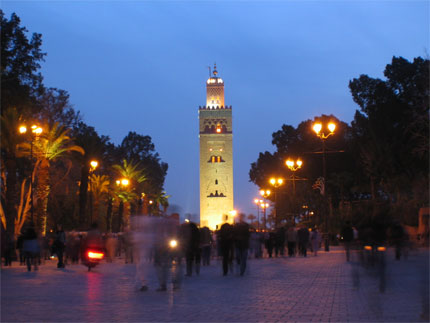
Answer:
(59, 245)
(303, 237)
(279, 241)
(190, 237)
(31, 248)
(347, 238)
(269, 242)
(225, 241)
(241, 236)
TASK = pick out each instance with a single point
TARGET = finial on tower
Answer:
(215, 71)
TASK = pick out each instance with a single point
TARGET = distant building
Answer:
(216, 156)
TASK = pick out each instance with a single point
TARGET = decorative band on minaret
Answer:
(216, 156)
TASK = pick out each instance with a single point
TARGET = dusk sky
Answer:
(142, 66)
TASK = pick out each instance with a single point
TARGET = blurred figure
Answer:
(143, 231)
(190, 240)
(291, 241)
(128, 246)
(31, 248)
(110, 247)
(19, 245)
(255, 243)
(206, 245)
(8, 248)
(279, 241)
(241, 236)
(225, 241)
(347, 238)
(398, 237)
(59, 246)
(75, 246)
(315, 237)
(167, 254)
(269, 243)
(303, 238)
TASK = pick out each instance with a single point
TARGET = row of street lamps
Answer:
(295, 165)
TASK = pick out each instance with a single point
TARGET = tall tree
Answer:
(55, 143)
(391, 131)
(21, 81)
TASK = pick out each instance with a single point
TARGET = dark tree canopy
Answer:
(21, 80)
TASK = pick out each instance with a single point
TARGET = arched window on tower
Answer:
(216, 159)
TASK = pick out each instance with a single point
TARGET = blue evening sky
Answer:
(142, 65)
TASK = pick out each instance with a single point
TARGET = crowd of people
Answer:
(167, 245)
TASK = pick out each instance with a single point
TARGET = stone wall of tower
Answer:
(216, 166)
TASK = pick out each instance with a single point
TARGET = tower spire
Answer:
(215, 71)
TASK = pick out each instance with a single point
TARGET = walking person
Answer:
(291, 241)
(206, 245)
(303, 237)
(59, 246)
(190, 240)
(347, 238)
(315, 237)
(225, 241)
(31, 248)
(279, 241)
(241, 236)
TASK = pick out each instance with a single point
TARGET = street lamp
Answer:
(265, 194)
(294, 166)
(257, 202)
(276, 182)
(35, 132)
(317, 127)
(264, 206)
(93, 164)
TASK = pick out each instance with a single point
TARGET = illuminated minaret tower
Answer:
(216, 156)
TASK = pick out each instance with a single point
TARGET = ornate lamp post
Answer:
(265, 194)
(35, 132)
(276, 182)
(294, 166)
(317, 127)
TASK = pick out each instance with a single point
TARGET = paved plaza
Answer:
(273, 290)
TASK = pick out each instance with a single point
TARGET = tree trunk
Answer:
(10, 196)
(109, 216)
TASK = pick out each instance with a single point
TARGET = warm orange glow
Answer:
(118, 182)
(368, 248)
(382, 248)
(173, 243)
(289, 163)
(256, 201)
(37, 131)
(150, 201)
(331, 126)
(276, 181)
(265, 193)
(94, 164)
(218, 129)
(95, 255)
(317, 127)
(125, 182)
(233, 212)
(299, 163)
(22, 129)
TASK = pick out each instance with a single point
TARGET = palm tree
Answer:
(54, 144)
(162, 199)
(99, 188)
(127, 193)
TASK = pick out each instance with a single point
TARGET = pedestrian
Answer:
(269, 243)
(110, 247)
(225, 241)
(315, 237)
(59, 246)
(31, 248)
(303, 237)
(167, 255)
(241, 236)
(279, 241)
(19, 245)
(291, 241)
(8, 247)
(347, 234)
(190, 242)
(206, 245)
